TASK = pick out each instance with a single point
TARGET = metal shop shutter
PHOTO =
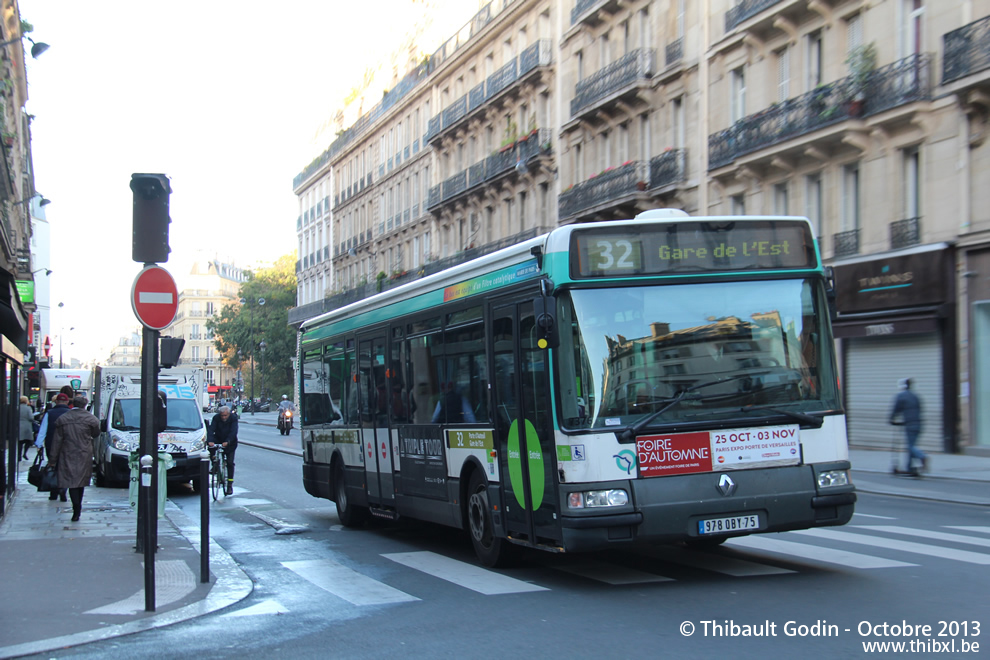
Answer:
(874, 366)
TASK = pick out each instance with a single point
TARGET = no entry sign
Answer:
(154, 297)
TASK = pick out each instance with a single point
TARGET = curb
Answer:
(231, 585)
(919, 496)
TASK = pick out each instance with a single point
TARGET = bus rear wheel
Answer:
(348, 514)
(491, 551)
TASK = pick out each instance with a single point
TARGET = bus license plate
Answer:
(728, 525)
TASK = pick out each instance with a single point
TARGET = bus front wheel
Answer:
(349, 515)
(492, 551)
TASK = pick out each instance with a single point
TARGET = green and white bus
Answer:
(607, 385)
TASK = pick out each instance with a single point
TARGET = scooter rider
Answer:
(285, 404)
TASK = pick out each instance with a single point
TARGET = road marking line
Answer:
(347, 583)
(462, 574)
(723, 564)
(610, 573)
(924, 533)
(970, 528)
(173, 581)
(869, 515)
(894, 544)
(815, 552)
(267, 607)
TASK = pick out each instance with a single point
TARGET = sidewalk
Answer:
(65, 584)
(960, 478)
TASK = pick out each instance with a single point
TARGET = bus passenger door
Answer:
(523, 428)
(374, 421)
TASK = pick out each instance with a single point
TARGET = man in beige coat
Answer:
(72, 451)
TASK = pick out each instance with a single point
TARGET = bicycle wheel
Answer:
(216, 486)
(222, 475)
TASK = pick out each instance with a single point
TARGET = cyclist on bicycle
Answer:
(223, 432)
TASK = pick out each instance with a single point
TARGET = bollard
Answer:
(149, 548)
(204, 518)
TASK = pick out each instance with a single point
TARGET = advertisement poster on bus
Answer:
(422, 461)
(677, 453)
(737, 449)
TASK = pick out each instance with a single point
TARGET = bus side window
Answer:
(423, 355)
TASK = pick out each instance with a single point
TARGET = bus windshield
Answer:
(744, 347)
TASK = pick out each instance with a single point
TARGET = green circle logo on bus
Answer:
(514, 459)
(625, 460)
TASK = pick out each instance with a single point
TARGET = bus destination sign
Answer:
(686, 248)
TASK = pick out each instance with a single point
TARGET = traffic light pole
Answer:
(147, 522)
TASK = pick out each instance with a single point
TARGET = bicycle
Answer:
(218, 473)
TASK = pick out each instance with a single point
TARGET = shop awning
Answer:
(13, 319)
(216, 389)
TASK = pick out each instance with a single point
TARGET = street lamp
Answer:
(262, 346)
(243, 301)
(37, 48)
(44, 200)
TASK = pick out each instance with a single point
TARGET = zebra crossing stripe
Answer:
(815, 552)
(462, 574)
(924, 533)
(346, 583)
(970, 528)
(723, 564)
(895, 544)
(610, 573)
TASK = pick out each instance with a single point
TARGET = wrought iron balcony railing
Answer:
(845, 243)
(603, 188)
(896, 84)
(632, 67)
(668, 168)
(966, 50)
(674, 51)
(581, 7)
(745, 9)
(905, 233)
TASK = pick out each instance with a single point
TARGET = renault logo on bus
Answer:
(726, 485)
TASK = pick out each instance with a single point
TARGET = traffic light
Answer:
(169, 352)
(151, 219)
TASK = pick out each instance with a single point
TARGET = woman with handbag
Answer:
(72, 451)
(26, 429)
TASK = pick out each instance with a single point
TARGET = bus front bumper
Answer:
(670, 509)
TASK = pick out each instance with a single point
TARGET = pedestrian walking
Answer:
(72, 451)
(223, 432)
(26, 429)
(47, 434)
(906, 412)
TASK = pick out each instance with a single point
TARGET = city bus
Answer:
(617, 384)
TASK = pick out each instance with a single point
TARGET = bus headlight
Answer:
(592, 499)
(833, 478)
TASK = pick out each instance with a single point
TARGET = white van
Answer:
(120, 424)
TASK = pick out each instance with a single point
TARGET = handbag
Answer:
(49, 479)
(34, 472)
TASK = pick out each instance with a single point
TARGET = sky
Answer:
(223, 96)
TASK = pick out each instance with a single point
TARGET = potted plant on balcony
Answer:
(862, 61)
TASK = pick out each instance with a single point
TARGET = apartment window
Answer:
(644, 28)
(645, 137)
(813, 201)
(781, 203)
(624, 29)
(783, 74)
(738, 204)
(814, 59)
(680, 132)
(603, 51)
(854, 32)
(522, 211)
(850, 197)
(579, 56)
(623, 145)
(912, 40)
(912, 183)
(737, 95)
(195, 354)
(415, 252)
(681, 11)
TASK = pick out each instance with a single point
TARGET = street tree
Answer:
(239, 329)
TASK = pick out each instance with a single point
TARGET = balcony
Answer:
(589, 11)
(845, 243)
(603, 189)
(745, 9)
(967, 50)
(674, 52)
(629, 72)
(668, 169)
(897, 84)
(535, 56)
(905, 233)
(534, 145)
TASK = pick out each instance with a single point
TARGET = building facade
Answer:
(127, 351)
(869, 118)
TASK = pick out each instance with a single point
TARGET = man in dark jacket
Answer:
(61, 407)
(223, 432)
(72, 450)
(908, 407)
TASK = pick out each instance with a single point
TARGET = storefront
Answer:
(897, 320)
(977, 282)
(13, 343)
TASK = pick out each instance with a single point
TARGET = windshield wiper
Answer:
(629, 434)
(810, 420)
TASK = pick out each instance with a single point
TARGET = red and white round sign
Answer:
(154, 297)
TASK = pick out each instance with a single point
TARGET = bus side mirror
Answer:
(545, 309)
(833, 311)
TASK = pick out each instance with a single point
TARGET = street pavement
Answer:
(93, 580)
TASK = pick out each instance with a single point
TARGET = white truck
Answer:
(119, 411)
(52, 380)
